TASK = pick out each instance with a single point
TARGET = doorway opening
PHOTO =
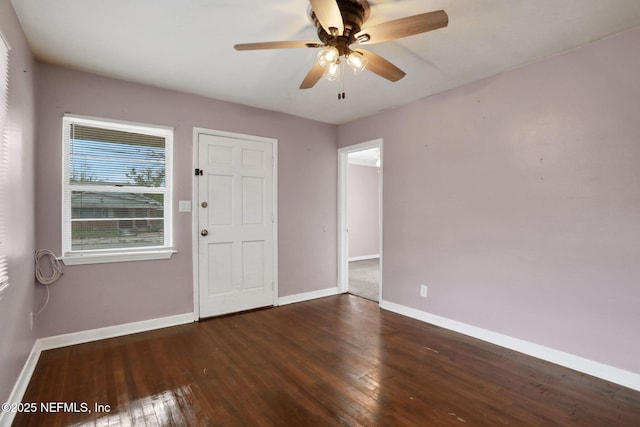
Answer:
(360, 219)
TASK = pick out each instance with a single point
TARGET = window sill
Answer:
(103, 258)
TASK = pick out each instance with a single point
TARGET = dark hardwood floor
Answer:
(336, 361)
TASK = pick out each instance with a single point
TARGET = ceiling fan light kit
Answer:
(329, 58)
(339, 26)
(328, 55)
(332, 71)
(357, 62)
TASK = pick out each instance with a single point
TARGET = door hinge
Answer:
(198, 172)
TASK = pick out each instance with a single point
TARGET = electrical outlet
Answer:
(31, 321)
(423, 291)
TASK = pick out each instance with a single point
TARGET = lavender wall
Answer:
(16, 338)
(102, 295)
(363, 210)
(517, 200)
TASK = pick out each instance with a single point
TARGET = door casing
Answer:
(194, 209)
(343, 250)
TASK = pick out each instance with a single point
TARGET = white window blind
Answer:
(117, 188)
(4, 163)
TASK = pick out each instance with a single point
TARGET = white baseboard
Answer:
(6, 418)
(81, 337)
(596, 369)
(306, 296)
(42, 344)
(364, 257)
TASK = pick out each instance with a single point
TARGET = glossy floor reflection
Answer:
(161, 409)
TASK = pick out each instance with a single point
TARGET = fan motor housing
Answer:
(354, 14)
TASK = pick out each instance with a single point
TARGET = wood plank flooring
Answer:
(336, 361)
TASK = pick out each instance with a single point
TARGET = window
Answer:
(117, 191)
(4, 163)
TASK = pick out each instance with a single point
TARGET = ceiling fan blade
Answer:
(312, 77)
(404, 27)
(377, 64)
(276, 45)
(329, 16)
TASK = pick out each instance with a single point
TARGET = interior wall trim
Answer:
(6, 418)
(343, 247)
(590, 367)
(364, 257)
(306, 296)
(82, 337)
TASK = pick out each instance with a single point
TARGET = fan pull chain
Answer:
(341, 94)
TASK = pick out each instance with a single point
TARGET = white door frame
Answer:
(195, 247)
(343, 249)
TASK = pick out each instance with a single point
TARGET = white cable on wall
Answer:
(56, 267)
(56, 272)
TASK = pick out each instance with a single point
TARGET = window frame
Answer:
(98, 256)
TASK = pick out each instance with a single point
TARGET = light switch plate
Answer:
(184, 206)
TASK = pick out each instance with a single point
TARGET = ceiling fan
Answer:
(339, 24)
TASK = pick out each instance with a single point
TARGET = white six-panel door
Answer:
(236, 224)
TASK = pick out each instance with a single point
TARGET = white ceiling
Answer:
(187, 45)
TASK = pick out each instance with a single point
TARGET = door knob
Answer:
(204, 232)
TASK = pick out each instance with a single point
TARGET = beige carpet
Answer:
(364, 278)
